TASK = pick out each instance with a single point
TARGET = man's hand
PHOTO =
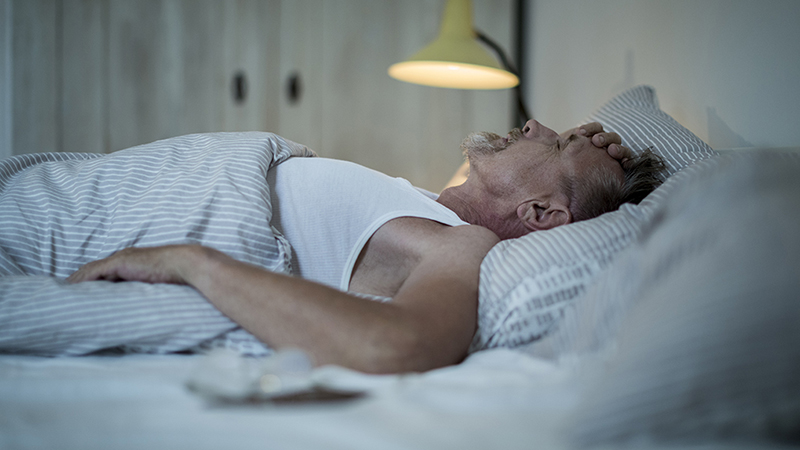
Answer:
(149, 264)
(612, 142)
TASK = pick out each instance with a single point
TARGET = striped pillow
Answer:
(526, 283)
(636, 116)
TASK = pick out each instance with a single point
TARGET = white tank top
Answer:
(328, 209)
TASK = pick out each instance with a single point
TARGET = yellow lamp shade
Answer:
(453, 75)
(455, 59)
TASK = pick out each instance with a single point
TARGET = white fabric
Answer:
(599, 327)
(328, 209)
(700, 316)
(495, 400)
(59, 211)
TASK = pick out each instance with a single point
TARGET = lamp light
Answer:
(455, 59)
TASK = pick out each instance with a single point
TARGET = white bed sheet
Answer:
(140, 401)
(496, 399)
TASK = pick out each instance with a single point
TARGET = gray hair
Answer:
(601, 192)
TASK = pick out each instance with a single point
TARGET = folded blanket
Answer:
(59, 211)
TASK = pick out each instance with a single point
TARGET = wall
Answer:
(5, 79)
(99, 75)
(353, 110)
(102, 75)
(727, 69)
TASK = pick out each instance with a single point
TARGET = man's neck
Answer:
(459, 201)
(476, 210)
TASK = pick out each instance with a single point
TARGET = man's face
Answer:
(535, 159)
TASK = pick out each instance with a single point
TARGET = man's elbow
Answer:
(408, 349)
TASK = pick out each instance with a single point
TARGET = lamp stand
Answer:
(522, 110)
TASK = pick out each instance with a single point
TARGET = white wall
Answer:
(99, 76)
(729, 70)
(5, 78)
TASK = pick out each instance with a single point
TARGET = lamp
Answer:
(456, 59)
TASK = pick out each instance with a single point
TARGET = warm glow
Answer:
(455, 59)
(455, 75)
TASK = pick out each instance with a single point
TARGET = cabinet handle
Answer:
(294, 88)
(239, 87)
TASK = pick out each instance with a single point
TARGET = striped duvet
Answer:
(59, 211)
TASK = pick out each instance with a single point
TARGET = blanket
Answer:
(59, 211)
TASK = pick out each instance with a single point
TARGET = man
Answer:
(530, 180)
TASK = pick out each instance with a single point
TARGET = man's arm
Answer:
(429, 323)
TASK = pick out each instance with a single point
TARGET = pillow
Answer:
(708, 342)
(587, 326)
(526, 283)
(636, 116)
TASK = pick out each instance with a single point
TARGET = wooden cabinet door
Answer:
(172, 66)
(351, 109)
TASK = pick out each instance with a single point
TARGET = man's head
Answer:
(535, 179)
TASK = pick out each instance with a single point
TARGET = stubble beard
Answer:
(485, 143)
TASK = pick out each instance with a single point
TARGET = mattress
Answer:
(496, 399)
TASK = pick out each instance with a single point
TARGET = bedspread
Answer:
(59, 211)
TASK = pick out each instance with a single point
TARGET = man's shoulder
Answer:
(468, 241)
(431, 237)
(410, 248)
(472, 233)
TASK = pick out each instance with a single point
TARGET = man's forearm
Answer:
(283, 311)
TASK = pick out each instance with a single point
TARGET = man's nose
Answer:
(531, 128)
(534, 129)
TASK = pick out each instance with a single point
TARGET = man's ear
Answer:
(539, 215)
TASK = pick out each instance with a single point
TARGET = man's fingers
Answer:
(101, 269)
(88, 272)
(619, 152)
(611, 141)
(147, 264)
(606, 139)
(600, 138)
(590, 129)
(79, 277)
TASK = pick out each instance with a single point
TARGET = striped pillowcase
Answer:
(527, 283)
(636, 116)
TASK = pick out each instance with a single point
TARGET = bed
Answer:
(668, 324)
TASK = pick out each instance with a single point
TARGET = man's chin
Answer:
(483, 143)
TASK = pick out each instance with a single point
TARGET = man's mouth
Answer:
(513, 136)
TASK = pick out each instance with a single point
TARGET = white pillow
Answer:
(526, 283)
(703, 314)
